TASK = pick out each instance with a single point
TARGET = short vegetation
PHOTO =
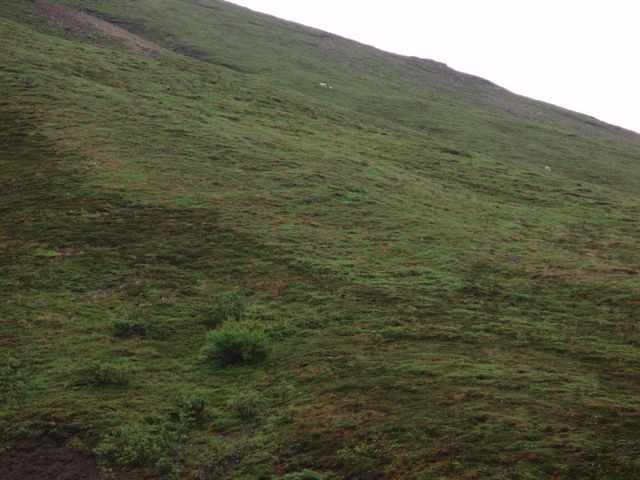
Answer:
(157, 442)
(127, 328)
(212, 267)
(142, 445)
(228, 306)
(104, 374)
(304, 475)
(233, 345)
(189, 410)
(247, 406)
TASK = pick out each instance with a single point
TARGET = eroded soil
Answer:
(46, 459)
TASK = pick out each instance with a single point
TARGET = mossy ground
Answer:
(436, 304)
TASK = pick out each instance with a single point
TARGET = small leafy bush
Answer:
(127, 328)
(228, 306)
(103, 374)
(304, 475)
(233, 345)
(189, 410)
(141, 445)
(248, 406)
(158, 442)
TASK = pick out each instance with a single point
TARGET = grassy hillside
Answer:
(420, 298)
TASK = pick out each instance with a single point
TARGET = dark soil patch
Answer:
(46, 459)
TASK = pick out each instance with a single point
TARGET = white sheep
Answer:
(547, 168)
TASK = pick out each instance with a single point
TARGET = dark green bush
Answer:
(127, 328)
(189, 410)
(233, 345)
(103, 374)
(228, 306)
(304, 475)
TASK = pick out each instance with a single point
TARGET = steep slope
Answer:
(436, 304)
(420, 94)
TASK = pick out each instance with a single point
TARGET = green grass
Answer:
(435, 304)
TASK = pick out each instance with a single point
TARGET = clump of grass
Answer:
(362, 458)
(104, 374)
(304, 475)
(219, 457)
(127, 328)
(44, 253)
(11, 378)
(228, 306)
(455, 151)
(247, 406)
(233, 345)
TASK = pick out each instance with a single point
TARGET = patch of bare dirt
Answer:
(85, 23)
(45, 459)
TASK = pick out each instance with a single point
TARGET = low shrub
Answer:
(141, 445)
(103, 374)
(228, 306)
(158, 442)
(248, 406)
(127, 328)
(189, 410)
(233, 345)
(219, 457)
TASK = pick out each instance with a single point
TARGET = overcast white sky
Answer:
(582, 55)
